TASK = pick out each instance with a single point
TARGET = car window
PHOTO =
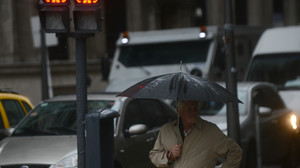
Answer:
(1, 122)
(27, 107)
(150, 112)
(153, 112)
(268, 98)
(55, 118)
(211, 108)
(133, 115)
(164, 53)
(280, 69)
(14, 111)
(219, 108)
(169, 113)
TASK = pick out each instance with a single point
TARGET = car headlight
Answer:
(293, 121)
(69, 161)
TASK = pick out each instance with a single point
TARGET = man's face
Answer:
(189, 112)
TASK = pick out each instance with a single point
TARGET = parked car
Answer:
(13, 107)
(49, 132)
(278, 128)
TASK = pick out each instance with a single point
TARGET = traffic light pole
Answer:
(45, 86)
(81, 94)
(233, 124)
(55, 18)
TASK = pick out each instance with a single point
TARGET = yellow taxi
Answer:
(13, 107)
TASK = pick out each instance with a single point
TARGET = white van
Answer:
(144, 54)
(276, 59)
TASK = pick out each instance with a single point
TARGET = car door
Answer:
(151, 113)
(274, 138)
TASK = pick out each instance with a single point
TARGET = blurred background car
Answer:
(278, 129)
(49, 132)
(276, 59)
(13, 107)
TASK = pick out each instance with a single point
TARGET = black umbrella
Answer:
(180, 86)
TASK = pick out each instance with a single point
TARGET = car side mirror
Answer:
(8, 131)
(264, 111)
(5, 132)
(137, 129)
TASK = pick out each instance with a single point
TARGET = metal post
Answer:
(45, 87)
(233, 124)
(81, 92)
(258, 139)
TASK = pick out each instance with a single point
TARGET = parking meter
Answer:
(257, 136)
(100, 138)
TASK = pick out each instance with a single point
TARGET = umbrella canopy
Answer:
(180, 86)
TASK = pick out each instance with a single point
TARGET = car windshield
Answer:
(164, 53)
(280, 69)
(217, 108)
(57, 118)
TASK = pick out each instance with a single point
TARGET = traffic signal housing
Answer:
(87, 16)
(54, 15)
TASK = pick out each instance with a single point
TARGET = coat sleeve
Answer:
(230, 150)
(158, 155)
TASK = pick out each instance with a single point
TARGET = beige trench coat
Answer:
(200, 149)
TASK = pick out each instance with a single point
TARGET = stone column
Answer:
(6, 31)
(149, 21)
(24, 50)
(291, 12)
(215, 12)
(260, 12)
(134, 15)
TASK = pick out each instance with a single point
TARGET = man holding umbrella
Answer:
(192, 142)
(189, 142)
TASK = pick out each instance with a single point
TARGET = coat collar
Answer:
(199, 124)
